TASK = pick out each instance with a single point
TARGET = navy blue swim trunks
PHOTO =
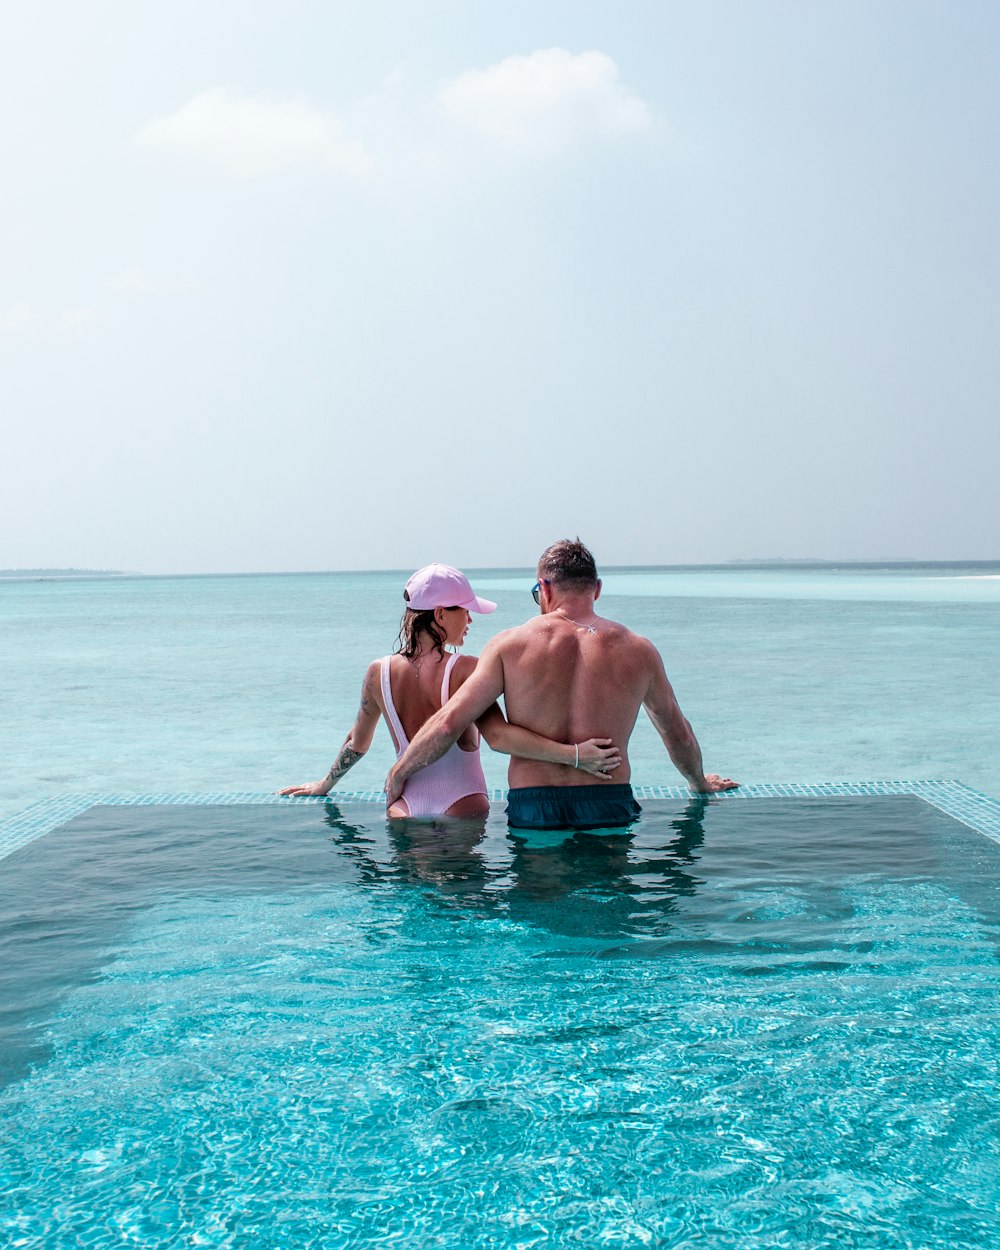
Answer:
(572, 807)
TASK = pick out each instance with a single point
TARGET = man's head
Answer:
(567, 569)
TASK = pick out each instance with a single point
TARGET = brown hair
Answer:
(567, 562)
(413, 624)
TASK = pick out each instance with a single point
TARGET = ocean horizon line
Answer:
(734, 565)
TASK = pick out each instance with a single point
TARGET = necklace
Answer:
(591, 629)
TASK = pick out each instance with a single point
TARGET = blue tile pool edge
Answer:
(969, 807)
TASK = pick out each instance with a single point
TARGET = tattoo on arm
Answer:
(347, 758)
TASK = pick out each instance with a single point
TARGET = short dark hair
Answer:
(567, 562)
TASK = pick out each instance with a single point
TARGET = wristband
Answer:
(576, 748)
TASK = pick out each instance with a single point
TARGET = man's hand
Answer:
(714, 783)
(393, 787)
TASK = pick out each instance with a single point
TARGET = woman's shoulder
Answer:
(464, 667)
(395, 662)
(373, 676)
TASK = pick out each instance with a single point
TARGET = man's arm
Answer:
(678, 737)
(356, 744)
(445, 727)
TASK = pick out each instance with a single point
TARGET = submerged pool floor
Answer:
(747, 1024)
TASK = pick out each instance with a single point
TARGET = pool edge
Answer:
(955, 799)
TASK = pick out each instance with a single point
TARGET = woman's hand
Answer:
(599, 757)
(313, 787)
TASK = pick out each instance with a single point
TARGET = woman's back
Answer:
(452, 784)
(417, 691)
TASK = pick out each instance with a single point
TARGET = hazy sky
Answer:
(326, 285)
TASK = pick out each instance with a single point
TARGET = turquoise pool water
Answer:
(767, 1023)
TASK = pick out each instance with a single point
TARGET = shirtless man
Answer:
(568, 674)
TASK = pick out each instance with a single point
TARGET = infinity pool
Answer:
(748, 1024)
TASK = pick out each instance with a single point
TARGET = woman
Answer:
(409, 687)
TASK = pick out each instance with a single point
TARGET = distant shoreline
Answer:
(28, 574)
(989, 568)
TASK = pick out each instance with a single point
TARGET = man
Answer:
(571, 675)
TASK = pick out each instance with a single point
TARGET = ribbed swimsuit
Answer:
(432, 790)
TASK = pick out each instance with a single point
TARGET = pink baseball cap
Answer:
(441, 586)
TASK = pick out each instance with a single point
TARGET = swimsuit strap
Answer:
(446, 680)
(395, 724)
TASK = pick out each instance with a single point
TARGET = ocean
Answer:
(753, 1024)
(250, 682)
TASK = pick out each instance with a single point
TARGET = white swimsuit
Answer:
(432, 790)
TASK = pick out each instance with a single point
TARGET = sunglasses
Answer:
(536, 591)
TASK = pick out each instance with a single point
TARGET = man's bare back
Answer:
(567, 675)
(570, 675)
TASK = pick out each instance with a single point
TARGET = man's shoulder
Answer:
(520, 642)
(540, 626)
(499, 646)
(515, 634)
(630, 638)
(637, 652)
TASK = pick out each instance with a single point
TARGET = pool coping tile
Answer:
(957, 800)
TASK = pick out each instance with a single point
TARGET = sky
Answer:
(304, 286)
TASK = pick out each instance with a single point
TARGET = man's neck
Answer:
(574, 607)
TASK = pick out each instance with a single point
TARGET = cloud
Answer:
(548, 100)
(136, 281)
(27, 316)
(252, 136)
(77, 318)
(19, 317)
(133, 281)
